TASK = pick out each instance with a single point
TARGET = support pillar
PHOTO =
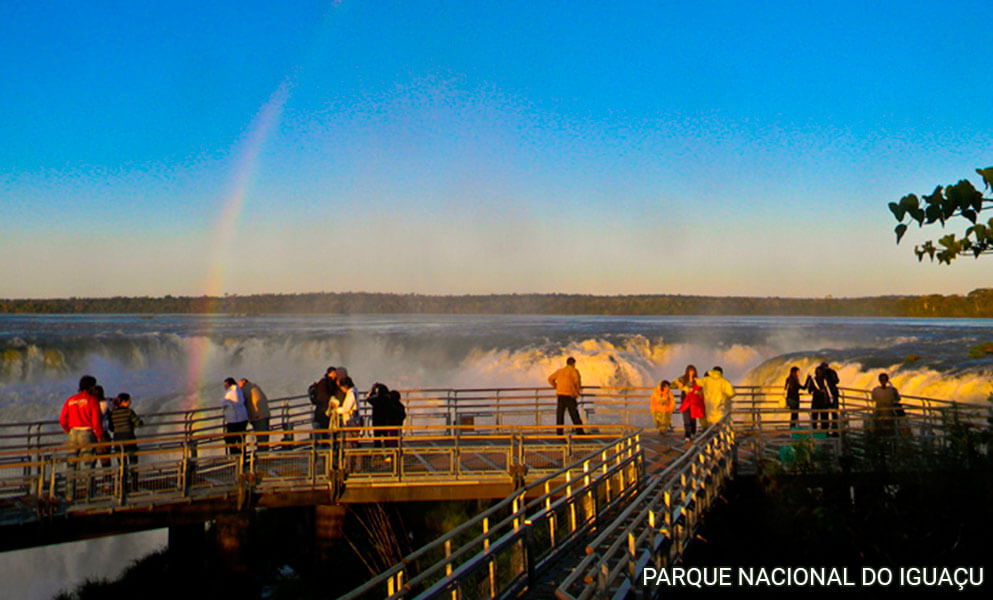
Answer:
(329, 527)
(232, 540)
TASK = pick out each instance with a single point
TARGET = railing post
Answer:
(530, 552)
(456, 458)
(491, 567)
(627, 407)
(448, 566)
(285, 418)
(186, 471)
(122, 477)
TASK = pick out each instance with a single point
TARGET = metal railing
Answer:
(499, 551)
(492, 406)
(655, 528)
(182, 468)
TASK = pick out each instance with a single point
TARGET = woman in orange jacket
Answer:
(662, 406)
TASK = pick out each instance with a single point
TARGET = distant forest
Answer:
(978, 303)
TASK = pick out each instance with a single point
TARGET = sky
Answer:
(714, 148)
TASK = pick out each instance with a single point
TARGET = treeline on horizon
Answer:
(978, 303)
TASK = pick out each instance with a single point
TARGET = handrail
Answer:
(662, 526)
(495, 537)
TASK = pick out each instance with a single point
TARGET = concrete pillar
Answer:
(232, 539)
(329, 526)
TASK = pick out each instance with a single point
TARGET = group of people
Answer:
(822, 386)
(244, 402)
(704, 400)
(89, 417)
(824, 396)
(333, 397)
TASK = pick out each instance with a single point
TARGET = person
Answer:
(81, 419)
(692, 405)
(123, 422)
(398, 414)
(834, 397)
(662, 406)
(345, 410)
(886, 399)
(792, 389)
(568, 386)
(380, 400)
(340, 374)
(106, 405)
(819, 398)
(257, 405)
(235, 416)
(322, 392)
(717, 394)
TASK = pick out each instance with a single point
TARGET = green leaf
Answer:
(917, 214)
(910, 201)
(900, 230)
(948, 241)
(935, 198)
(970, 214)
(898, 211)
(961, 196)
(987, 175)
(933, 213)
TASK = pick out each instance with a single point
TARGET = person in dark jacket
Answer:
(379, 400)
(325, 389)
(123, 422)
(834, 396)
(820, 399)
(792, 389)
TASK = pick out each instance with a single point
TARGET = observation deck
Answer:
(577, 515)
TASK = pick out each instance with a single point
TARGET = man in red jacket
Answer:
(81, 419)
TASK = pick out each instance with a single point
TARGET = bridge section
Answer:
(577, 515)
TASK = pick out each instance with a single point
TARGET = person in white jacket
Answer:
(235, 416)
(717, 393)
(346, 408)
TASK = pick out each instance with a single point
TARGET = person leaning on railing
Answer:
(257, 405)
(81, 419)
(235, 416)
(123, 422)
(321, 393)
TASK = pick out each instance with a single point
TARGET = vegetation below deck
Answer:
(280, 559)
(907, 506)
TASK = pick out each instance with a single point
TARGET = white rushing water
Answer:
(169, 362)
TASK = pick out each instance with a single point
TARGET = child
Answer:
(123, 421)
(662, 406)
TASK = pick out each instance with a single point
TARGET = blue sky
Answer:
(455, 147)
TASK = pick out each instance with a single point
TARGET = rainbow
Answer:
(261, 127)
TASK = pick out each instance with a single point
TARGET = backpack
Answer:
(312, 393)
